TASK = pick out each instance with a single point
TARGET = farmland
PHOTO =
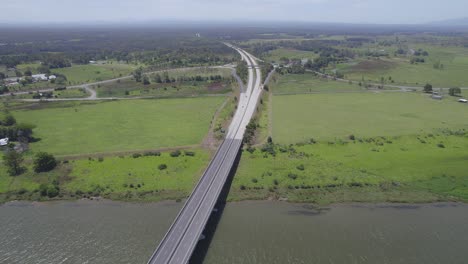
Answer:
(80, 128)
(78, 74)
(379, 169)
(356, 146)
(309, 83)
(298, 118)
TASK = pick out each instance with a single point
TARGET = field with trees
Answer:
(333, 125)
(332, 141)
(171, 83)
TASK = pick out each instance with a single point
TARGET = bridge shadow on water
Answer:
(202, 247)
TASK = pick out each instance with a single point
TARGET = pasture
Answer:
(66, 128)
(379, 169)
(309, 83)
(453, 73)
(298, 118)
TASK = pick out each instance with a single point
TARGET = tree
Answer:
(25, 131)
(157, 78)
(9, 120)
(44, 162)
(146, 80)
(138, 74)
(428, 88)
(454, 91)
(13, 160)
(28, 72)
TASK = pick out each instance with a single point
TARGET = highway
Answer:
(179, 242)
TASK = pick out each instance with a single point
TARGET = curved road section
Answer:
(180, 241)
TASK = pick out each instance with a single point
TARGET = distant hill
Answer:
(452, 22)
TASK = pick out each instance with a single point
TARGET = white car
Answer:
(462, 100)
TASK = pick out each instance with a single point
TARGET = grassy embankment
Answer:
(406, 148)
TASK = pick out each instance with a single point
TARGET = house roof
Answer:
(3, 141)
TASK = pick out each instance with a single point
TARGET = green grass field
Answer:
(455, 60)
(78, 74)
(309, 83)
(381, 169)
(68, 93)
(327, 116)
(115, 177)
(79, 128)
(277, 54)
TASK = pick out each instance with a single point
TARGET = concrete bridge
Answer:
(179, 242)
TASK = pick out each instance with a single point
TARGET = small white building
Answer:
(3, 141)
(39, 77)
(463, 101)
(52, 77)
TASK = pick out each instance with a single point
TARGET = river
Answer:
(248, 232)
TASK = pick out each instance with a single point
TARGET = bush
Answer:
(189, 153)
(242, 187)
(162, 167)
(44, 162)
(175, 153)
(352, 137)
(49, 190)
(300, 167)
(136, 155)
(254, 180)
(100, 159)
(291, 176)
(440, 145)
(428, 88)
(151, 153)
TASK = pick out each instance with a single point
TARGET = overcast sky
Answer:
(348, 11)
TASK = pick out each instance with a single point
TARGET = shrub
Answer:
(162, 167)
(175, 153)
(242, 187)
(300, 167)
(44, 162)
(441, 145)
(254, 180)
(136, 155)
(151, 153)
(100, 159)
(275, 182)
(352, 137)
(292, 176)
(189, 153)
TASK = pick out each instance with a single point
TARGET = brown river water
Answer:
(247, 232)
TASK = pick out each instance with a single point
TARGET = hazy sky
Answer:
(349, 11)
